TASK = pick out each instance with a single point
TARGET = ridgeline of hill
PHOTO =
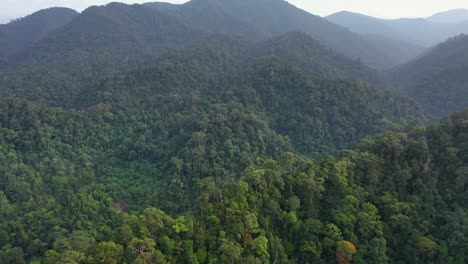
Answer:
(214, 132)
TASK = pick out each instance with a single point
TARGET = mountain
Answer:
(322, 115)
(416, 31)
(226, 132)
(24, 33)
(99, 41)
(94, 178)
(306, 53)
(450, 17)
(362, 24)
(401, 51)
(379, 34)
(118, 37)
(61, 85)
(437, 80)
(115, 28)
(258, 18)
(296, 104)
(159, 136)
(423, 32)
(208, 16)
(230, 65)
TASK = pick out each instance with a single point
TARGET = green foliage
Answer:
(217, 153)
(108, 253)
(260, 246)
(379, 203)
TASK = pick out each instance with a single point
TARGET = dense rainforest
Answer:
(75, 191)
(208, 132)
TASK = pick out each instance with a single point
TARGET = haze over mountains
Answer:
(438, 79)
(23, 33)
(424, 32)
(231, 17)
(232, 131)
(450, 17)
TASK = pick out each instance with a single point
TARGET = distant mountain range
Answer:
(259, 18)
(450, 17)
(249, 18)
(425, 32)
(80, 48)
(438, 80)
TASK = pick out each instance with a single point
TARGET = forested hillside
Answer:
(67, 78)
(256, 18)
(437, 80)
(117, 24)
(100, 41)
(75, 187)
(23, 33)
(214, 132)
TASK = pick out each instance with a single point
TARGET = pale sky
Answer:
(10, 9)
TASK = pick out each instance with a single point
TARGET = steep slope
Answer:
(99, 41)
(438, 79)
(117, 28)
(318, 114)
(188, 148)
(261, 17)
(57, 83)
(302, 51)
(417, 31)
(321, 115)
(401, 51)
(25, 32)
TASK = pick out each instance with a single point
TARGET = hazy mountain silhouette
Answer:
(304, 52)
(263, 18)
(418, 31)
(119, 26)
(438, 79)
(451, 16)
(156, 27)
(23, 33)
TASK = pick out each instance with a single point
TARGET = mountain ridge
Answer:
(418, 31)
(436, 78)
(23, 33)
(230, 131)
(259, 15)
(450, 16)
